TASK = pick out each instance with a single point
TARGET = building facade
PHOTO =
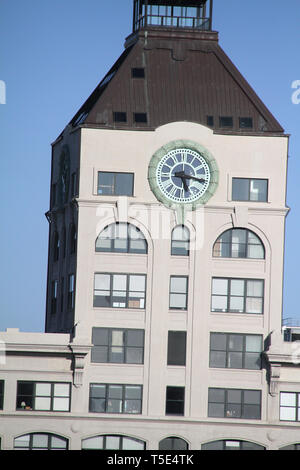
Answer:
(166, 244)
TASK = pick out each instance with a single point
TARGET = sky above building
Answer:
(53, 53)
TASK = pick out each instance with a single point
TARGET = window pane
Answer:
(115, 391)
(105, 183)
(42, 403)
(179, 284)
(97, 405)
(61, 404)
(22, 441)
(254, 305)
(219, 303)
(132, 444)
(251, 412)
(134, 356)
(99, 354)
(253, 343)
(216, 395)
(135, 338)
(288, 399)
(117, 338)
(62, 390)
(113, 443)
(93, 443)
(43, 390)
(137, 283)
(235, 360)
(217, 359)
(216, 410)
(252, 396)
(98, 391)
(258, 190)
(133, 391)
(220, 286)
(178, 301)
(58, 443)
(218, 341)
(253, 361)
(100, 336)
(235, 342)
(237, 287)
(119, 282)
(40, 440)
(255, 288)
(176, 348)
(240, 189)
(236, 304)
(124, 184)
(287, 414)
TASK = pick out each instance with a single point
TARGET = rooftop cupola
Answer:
(187, 14)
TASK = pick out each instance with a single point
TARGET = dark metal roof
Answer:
(188, 77)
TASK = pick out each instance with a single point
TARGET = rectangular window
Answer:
(175, 401)
(114, 398)
(118, 346)
(250, 189)
(235, 351)
(71, 292)
(43, 396)
(178, 292)
(115, 184)
(237, 295)
(210, 121)
(138, 72)
(289, 406)
(246, 122)
(233, 403)
(1, 394)
(140, 117)
(176, 348)
(226, 121)
(120, 290)
(74, 184)
(119, 116)
(54, 293)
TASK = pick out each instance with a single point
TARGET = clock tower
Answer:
(166, 237)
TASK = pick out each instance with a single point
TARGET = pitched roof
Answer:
(187, 77)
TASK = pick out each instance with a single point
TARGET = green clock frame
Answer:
(190, 145)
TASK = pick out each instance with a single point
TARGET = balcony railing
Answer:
(173, 21)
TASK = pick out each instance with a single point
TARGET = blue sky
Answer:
(53, 53)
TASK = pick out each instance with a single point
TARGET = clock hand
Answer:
(182, 175)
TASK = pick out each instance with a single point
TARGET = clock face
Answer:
(183, 175)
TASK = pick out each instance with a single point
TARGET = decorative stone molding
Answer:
(274, 379)
(79, 353)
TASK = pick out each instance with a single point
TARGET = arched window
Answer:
(239, 243)
(173, 443)
(56, 246)
(113, 442)
(231, 445)
(180, 243)
(121, 238)
(291, 447)
(40, 441)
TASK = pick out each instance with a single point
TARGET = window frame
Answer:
(121, 441)
(34, 395)
(231, 244)
(107, 347)
(226, 352)
(296, 407)
(234, 178)
(180, 401)
(123, 400)
(179, 293)
(172, 440)
(177, 240)
(241, 444)
(113, 186)
(49, 446)
(173, 337)
(127, 291)
(245, 296)
(226, 403)
(129, 239)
